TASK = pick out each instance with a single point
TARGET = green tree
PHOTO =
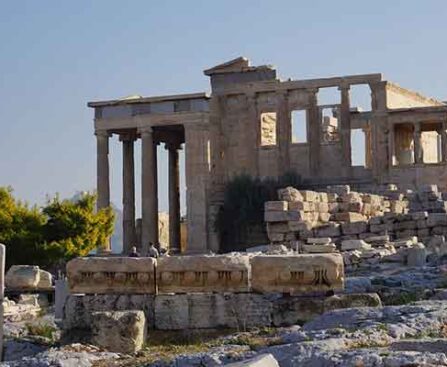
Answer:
(74, 228)
(60, 230)
(20, 229)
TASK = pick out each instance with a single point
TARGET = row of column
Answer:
(149, 189)
(417, 141)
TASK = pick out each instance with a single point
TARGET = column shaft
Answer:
(314, 133)
(391, 147)
(418, 154)
(283, 132)
(345, 128)
(129, 238)
(102, 175)
(174, 198)
(444, 141)
(148, 191)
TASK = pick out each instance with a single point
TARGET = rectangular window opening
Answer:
(359, 148)
(360, 98)
(268, 128)
(328, 96)
(299, 126)
(330, 123)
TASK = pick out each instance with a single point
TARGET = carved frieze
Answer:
(182, 274)
(112, 275)
(297, 274)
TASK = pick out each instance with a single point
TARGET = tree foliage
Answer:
(60, 230)
(242, 212)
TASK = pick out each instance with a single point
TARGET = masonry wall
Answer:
(237, 145)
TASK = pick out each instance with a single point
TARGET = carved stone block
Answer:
(183, 274)
(298, 274)
(113, 275)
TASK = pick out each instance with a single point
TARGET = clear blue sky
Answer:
(57, 55)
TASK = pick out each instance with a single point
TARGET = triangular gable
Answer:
(231, 66)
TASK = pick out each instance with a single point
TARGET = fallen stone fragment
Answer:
(289, 194)
(354, 245)
(119, 331)
(320, 240)
(22, 277)
(275, 206)
(319, 248)
(352, 300)
(417, 255)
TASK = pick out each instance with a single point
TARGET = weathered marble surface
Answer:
(119, 331)
(22, 277)
(113, 275)
(78, 309)
(297, 274)
(201, 273)
(207, 310)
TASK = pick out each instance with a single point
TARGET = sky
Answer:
(55, 56)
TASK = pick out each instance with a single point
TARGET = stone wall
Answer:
(366, 229)
(190, 292)
(342, 214)
(239, 311)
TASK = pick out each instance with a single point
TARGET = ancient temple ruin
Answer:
(246, 125)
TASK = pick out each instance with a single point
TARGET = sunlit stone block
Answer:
(112, 275)
(200, 273)
(297, 274)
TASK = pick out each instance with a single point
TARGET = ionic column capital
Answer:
(128, 137)
(173, 145)
(344, 87)
(103, 133)
(417, 127)
(147, 130)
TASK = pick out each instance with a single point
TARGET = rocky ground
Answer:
(410, 330)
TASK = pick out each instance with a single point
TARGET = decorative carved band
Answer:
(299, 274)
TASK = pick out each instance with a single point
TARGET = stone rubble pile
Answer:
(26, 307)
(366, 228)
(299, 215)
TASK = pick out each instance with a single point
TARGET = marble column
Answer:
(418, 154)
(129, 238)
(368, 147)
(103, 181)
(345, 128)
(149, 200)
(174, 197)
(283, 131)
(391, 146)
(444, 141)
(314, 132)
